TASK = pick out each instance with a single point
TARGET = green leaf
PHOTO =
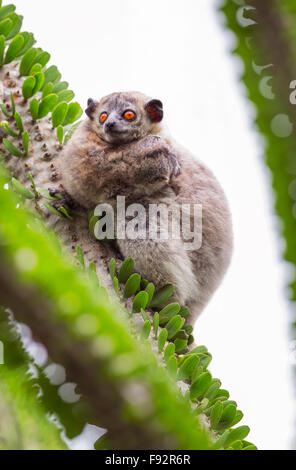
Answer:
(22, 190)
(156, 323)
(14, 48)
(34, 108)
(201, 406)
(213, 389)
(28, 43)
(17, 24)
(169, 351)
(59, 113)
(6, 10)
(237, 434)
(12, 149)
(184, 312)
(220, 443)
(74, 113)
(162, 337)
(145, 331)
(47, 90)
(216, 414)
(205, 360)
(180, 344)
(36, 68)
(71, 132)
(26, 142)
(172, 366)
(52, 209)
(19, 122)
(6, 26)
(199, 350)
(222, 395)
(2, 48)
(60, 134)
(12, 104)
(66, 95)
(140, 301)
(4, 109)
(39, 77)
(33, 185)
(132, 285)
(188, 329)
(238, 417)
(93, 220)
(145, 316)
(27, 62)
(188, 367)
(116, 285)
(8, 130)
(201, 384)
(126, 269)
(92, 273)
(60, 86)
(52, 75)
(42, 58)
(174, 325)
(64, 211)
(5, 173)
(227, 417)
(150, 289)
(250, 447)
(80, 255)
(168, 312)
(45, 193)
(28, 87)
(46, 105)
(112, 267)
(162, 296)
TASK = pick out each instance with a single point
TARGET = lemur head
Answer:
(123, 117)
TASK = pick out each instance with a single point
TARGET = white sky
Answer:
(178, 52)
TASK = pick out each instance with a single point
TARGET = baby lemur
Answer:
(122, 149)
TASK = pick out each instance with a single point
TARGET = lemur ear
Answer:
(154, 109)
(91, 107)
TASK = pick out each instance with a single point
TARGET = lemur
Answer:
(123, 149)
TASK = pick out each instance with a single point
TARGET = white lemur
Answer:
(123, 149)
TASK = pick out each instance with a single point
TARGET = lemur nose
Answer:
(110, 125)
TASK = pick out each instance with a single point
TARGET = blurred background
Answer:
(179, 52)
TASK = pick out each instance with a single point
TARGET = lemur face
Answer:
(124, 117)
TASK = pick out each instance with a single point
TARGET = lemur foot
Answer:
(63, 200)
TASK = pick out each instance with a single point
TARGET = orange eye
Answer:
(103, 117)
(129, 115)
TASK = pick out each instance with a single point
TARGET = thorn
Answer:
(10, 83)
(39, 138)
(47, 156)
(44, 147)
